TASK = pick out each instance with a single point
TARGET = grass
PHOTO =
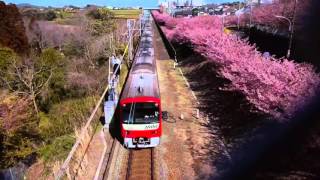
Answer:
(127, 13)
(59, 149)
(63, 17)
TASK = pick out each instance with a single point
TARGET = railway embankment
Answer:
(258, 145)
(188, 147)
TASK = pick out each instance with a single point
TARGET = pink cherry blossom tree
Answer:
(279, 87)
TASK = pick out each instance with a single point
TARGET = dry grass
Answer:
(127, 14)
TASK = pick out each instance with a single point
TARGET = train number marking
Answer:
(151, 126)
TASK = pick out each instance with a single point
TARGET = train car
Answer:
(140, 104)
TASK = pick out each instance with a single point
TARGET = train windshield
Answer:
(140, 113)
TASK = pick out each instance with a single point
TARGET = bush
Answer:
(102, 21)
(64, 117)
(101, 14)
(18, 130)
(50, 15)
(55, 92)
(73, 48)
(58, 150)
(7, 56)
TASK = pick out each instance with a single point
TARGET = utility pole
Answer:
(238, 22)
(130, 25)
(250, 19)
(140, 24)
(292, 28)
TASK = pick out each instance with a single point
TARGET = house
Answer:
(183, 12)
(259, 1)
(229, 11)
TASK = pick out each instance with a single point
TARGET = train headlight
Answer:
(124, 105)
(156, 104)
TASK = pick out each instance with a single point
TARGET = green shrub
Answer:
(55, 92)
(102, 21)
(50, 15)
(58, 149)
(64, 117)
(73, 48)
(18, 130)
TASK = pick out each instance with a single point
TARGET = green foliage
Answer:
(99, 27)
(63, 14)
(102, 21)
(126, 13)
(50, 15)
(58, 149)
(195, 11)
(50, 134)
(101, 14)
(94, 13)
(56, 127)
(73, 48)
(50, 61)
(64, 117)
(7, 57)
(18, 131)
(120, 48)
(50, 58)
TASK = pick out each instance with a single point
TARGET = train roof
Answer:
(142, 84)
(143, 79)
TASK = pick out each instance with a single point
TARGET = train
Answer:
(140, 111)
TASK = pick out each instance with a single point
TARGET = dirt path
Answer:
(183, 152)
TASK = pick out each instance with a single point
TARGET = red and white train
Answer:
(140, 104)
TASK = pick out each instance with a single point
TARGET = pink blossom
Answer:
(279, 87)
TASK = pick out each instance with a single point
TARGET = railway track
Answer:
(140, 164)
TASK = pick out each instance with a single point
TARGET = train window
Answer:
(140, 113)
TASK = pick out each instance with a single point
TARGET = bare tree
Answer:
(30, 76)
(95, 48)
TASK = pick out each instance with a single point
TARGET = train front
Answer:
(141, 122)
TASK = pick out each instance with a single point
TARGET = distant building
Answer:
(229, 11)
(69, 9)
(246, 9)
(181, 3)
(259, 1)
(186, 12)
